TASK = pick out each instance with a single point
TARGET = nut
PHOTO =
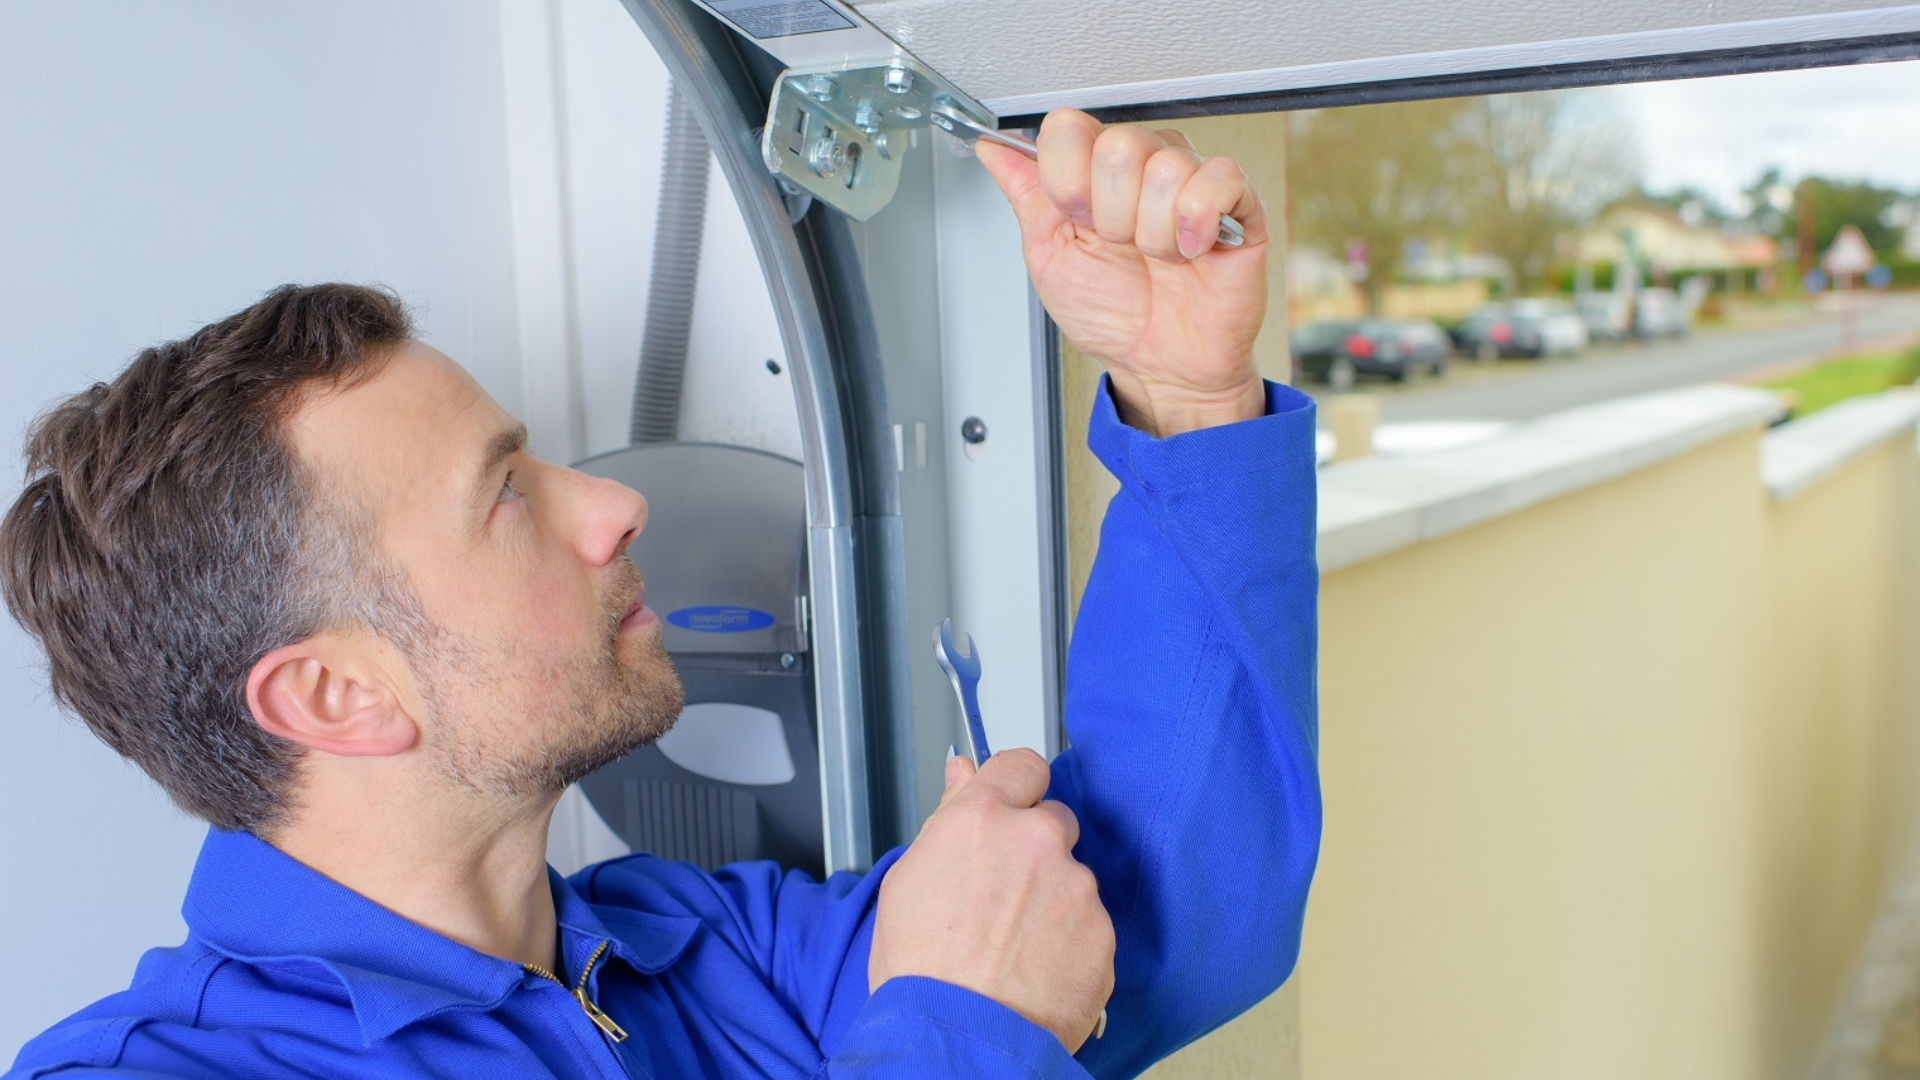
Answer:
(827, 157)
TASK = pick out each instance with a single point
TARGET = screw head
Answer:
(827, 157)
(899, 80)
(867, 118)
(788, 660)
(821, 88)
(973, 430)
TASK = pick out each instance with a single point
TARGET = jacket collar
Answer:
(252, 902)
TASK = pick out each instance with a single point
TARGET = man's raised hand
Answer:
(989, 897)
(1117, 224)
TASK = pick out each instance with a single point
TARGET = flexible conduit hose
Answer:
(676, 271)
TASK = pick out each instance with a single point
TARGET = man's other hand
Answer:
(1118, 225)
(990, 898)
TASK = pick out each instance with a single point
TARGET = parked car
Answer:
(1533, 328)
(1658, 313)
(1608, 315)
(1337, 352)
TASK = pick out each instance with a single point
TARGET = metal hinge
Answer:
(841, 133)
(842, 114)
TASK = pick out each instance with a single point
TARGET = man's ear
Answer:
(330, 694)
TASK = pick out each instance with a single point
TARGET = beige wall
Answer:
(1611, 783)
(1835, 743)
(1536, 845)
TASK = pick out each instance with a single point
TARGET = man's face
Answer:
(540, 663)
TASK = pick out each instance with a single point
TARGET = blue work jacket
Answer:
(1191, 709)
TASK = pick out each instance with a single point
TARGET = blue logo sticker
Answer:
(720, 619)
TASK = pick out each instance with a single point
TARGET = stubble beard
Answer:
(599, 707)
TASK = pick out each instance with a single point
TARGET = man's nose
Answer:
(608, 516)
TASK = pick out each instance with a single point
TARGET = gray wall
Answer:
(161, 164)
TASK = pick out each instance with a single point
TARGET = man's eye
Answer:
(507, 491)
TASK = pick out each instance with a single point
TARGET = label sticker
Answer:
(720, 619)
(763, 19)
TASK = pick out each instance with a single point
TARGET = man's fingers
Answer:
(1219, 187)
(1120, 157)
(1168, 172)
(1016, 778)
(1066, 163)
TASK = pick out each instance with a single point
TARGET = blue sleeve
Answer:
(805, 943)
(924, 1029)
(1191, 712)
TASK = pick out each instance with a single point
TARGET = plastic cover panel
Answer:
(724, 549)
(1024, 56)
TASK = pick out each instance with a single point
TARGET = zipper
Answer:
(594, 1013)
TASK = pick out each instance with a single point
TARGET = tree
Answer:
(1376, 174)
(1836, 203)
(1535, 166)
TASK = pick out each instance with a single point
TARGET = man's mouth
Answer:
(637, 614)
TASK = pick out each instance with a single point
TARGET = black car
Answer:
(1338, 351)
(1531, 328)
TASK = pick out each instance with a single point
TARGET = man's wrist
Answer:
(1164, 409)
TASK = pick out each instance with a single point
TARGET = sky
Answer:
(1717, 135)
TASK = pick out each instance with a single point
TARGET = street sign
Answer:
(1849, 256)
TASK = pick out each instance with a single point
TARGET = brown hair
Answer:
(169, 536)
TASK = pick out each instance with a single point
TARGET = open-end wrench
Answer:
(954, 120)
(963, 671)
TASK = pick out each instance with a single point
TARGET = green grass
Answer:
(1836, 380)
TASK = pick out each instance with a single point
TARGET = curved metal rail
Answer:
(856, 563)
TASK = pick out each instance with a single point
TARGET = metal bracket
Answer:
(841, 132)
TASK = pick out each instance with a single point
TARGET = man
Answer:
(301, 569)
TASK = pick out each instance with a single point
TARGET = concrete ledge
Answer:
(1794, 456)
(1370, 508)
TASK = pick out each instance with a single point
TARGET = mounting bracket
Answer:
(840, 117)
(840, 132)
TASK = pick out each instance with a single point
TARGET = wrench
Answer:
(951, 119)
(963, 671)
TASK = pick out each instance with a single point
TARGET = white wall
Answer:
(163, 163)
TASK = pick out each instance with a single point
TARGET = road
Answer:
(1520, 390)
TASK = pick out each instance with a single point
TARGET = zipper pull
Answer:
(600, 1019)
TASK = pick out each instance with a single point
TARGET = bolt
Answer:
(821, 88)
(827, 157)
(788, 660)
(899, 80)
(867, 118)
(973, 430)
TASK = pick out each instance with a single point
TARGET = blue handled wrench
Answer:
(963, 671)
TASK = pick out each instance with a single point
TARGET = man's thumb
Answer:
(960, 769)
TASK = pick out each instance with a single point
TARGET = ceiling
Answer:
(1020, 57)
